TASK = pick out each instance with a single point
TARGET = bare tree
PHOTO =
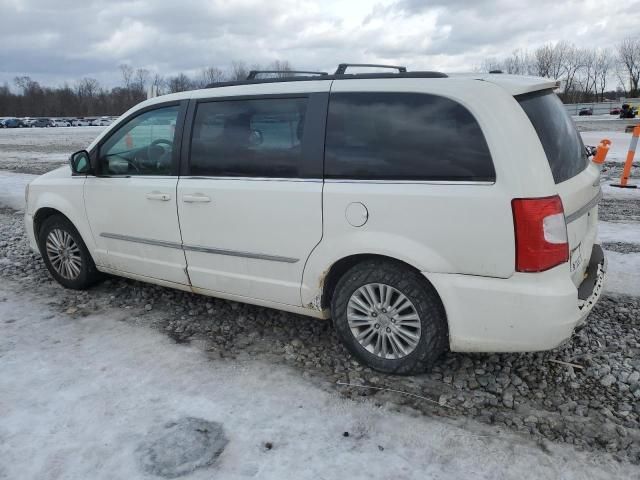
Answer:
(239, 71)
(571, 65)
(158, 83)
(518, 63)
(179, 83)
(140, 79)
(543, 60)
(604, 61)
(629, 59)
(27, 85)
(127, 74)
(587, 74)
(87, 87)
(211, 75)
(282, 67)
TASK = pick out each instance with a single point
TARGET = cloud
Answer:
(65, 40)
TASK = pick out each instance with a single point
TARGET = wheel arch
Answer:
(341, 266)
(43, 213)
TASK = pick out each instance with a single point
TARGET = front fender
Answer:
(68, 199)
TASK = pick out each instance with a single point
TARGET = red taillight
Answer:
(541, 233)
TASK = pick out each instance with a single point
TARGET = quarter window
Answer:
(142, 146)
(561, 141)
(248, 138)
(404, 136)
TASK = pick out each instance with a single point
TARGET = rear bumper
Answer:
(526, 312)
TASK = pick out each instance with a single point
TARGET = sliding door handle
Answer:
(196, 198)
(164, 197)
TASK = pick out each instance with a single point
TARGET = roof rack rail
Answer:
(253, 73)
(342, 68)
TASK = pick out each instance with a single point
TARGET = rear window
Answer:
(557, 132)
(404, 136)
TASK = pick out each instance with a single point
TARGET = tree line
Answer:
(585, 73)
(88, 98)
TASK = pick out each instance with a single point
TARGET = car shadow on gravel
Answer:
(586, 392)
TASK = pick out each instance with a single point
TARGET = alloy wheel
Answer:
(384, 321)
(64, 254)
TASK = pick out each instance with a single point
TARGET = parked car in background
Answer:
(42, 123)
(101, 122)
(61, 122)
(615, 111)
(627, 111)
(28, 121)
(586, 111)
(320, 198)
(80, 122)
(13, 123)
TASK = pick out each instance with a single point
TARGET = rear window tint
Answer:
(404, 136)
(557, 132)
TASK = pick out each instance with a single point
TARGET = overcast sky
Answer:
(54, 41)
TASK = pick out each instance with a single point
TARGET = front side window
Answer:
(404, 136)
(248, 138)
(142, 146)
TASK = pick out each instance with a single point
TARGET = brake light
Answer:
(541, 233)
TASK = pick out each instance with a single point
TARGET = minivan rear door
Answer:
(577, 179)
(250, 192)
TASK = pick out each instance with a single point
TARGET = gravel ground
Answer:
(593, 404)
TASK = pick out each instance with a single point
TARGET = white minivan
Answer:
(420, 211)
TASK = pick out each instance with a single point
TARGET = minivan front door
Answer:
(131, 202)
(250, 204)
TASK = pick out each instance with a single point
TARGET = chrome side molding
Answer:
(197, 248)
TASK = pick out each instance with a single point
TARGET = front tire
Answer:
(389, 317)
(65, 254)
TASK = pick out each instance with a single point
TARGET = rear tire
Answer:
(389, 317)
(65, 254)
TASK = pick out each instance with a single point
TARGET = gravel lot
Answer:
(594, 403)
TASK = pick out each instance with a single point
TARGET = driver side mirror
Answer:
(80, 162)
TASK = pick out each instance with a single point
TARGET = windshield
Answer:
(557, 132)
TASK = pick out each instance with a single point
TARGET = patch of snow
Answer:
(79, 396)
(617, 192)
(12, 189)
(619, 232)
(623, 273)
(594, 118)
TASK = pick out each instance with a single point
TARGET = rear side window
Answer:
(404, 136)
(557, 132)
(248, 138)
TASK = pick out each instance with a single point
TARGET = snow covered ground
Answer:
(38, 150)
(79, 396)
(12, 187)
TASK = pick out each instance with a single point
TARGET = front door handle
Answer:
(164, 197)
(196, 198)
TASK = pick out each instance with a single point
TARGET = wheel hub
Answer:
(383, 321)
(63, 253)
